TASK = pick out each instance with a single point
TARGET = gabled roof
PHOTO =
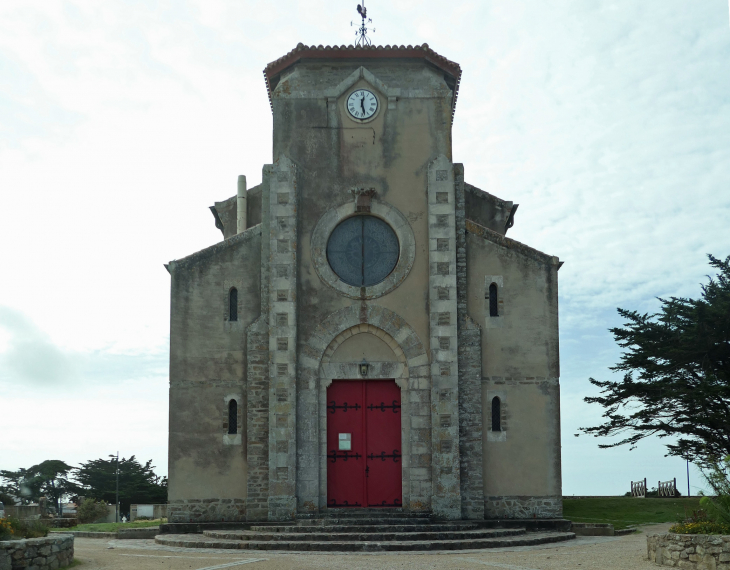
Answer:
(363, 52)
(526, 250)
(214, 249)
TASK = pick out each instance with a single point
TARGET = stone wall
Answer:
(158, 511)
(204, 510)
(523, 507)
(23, 511)
(39, 553)
(207, 457)
(470, 374)
(65, 522)
(700, 551)
(446, 468)
(257, 418)
(283, 201)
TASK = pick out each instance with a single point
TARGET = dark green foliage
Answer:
(49, 478)
(90, 510)
(653, 493)
(699, 522)
(6, 499)
(6, 531)
(718, 506)
(677, 375)
(27, 528)
(137, 483)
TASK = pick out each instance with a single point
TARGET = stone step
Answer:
(369, 513)
(360, 537)
(354, 527)
(200, 541)
(361, 521)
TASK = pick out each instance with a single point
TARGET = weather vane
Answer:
(362, 33)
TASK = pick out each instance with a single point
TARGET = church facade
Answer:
(365, 335)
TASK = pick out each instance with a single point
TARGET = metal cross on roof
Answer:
(362, 33)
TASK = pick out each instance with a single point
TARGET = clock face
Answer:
(362, 104)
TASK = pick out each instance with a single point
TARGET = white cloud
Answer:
(28, 357)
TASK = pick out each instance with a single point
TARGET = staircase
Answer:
(362, 530)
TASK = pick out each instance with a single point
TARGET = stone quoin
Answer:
(365, 257)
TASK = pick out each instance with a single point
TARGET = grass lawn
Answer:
(623, 512)
(113, 527)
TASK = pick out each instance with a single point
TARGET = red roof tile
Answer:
(363, 52)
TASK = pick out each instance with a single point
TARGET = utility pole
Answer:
(688, 494)
(116, 516)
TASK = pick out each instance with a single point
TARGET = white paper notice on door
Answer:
(345, 441)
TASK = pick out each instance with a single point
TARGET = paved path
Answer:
(604, 553)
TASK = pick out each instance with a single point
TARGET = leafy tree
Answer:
(137, 483)
(49, 478)
(90, 510)
(6, 499)
(677, 375)
(718, 506)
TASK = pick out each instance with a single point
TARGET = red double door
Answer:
(364, 444)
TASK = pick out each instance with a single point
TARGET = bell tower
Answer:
(365, 132)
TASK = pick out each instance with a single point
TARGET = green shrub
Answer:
(653, 493)
(6, 531)
(718, 507)
(91, 510)
(27, 528)
(700, 527)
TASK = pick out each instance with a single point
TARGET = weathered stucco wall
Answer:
(486, 210)
(520, 365)
(335, 155)
(207, 468)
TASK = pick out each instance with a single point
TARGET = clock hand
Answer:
(362, 104)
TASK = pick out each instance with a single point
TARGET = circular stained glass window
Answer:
(362, 250)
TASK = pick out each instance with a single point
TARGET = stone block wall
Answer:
(523, 507)
(700, 551)
(206, 510)
(470, 374)
(446, 468)
(47, 553)
(257, 420)
(283, 200)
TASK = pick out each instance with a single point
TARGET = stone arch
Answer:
(389, 322)
(415, 384)
(360, 329)
(397, 370)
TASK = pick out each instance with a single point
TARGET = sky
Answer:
(122, 122)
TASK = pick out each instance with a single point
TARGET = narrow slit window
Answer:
(232, 417)
(493, 312)
(233, 304)
(496, 414)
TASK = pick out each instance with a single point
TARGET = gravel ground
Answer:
(605, 553)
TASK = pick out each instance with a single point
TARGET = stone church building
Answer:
(364, 335)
